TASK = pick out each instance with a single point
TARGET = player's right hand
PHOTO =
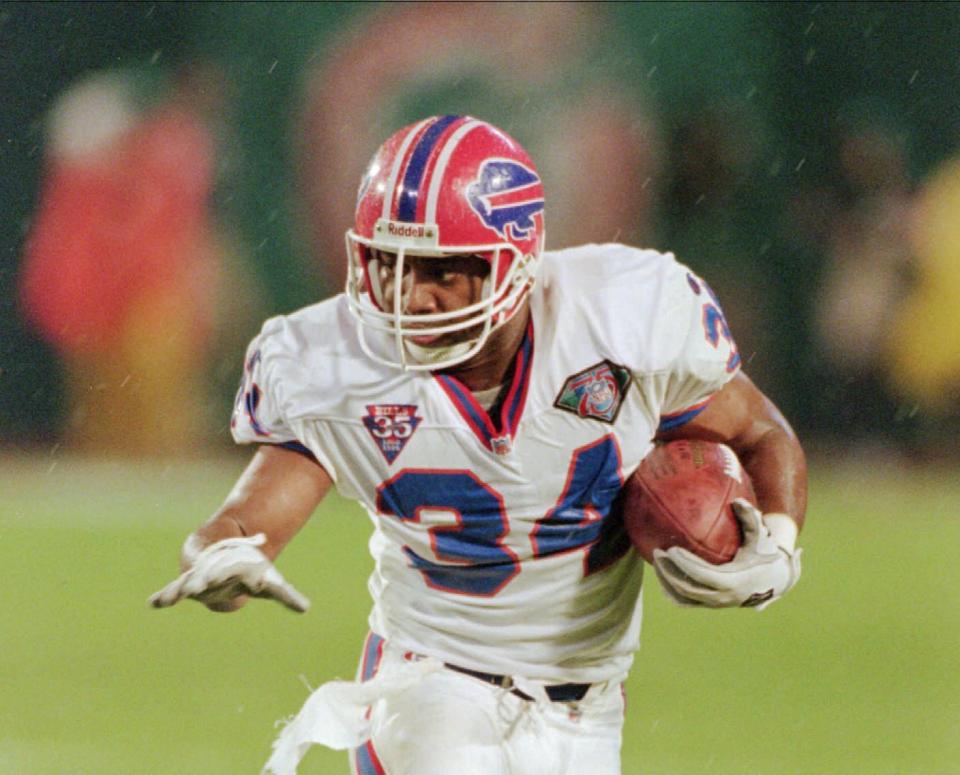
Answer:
(764, 568)
(229, 569)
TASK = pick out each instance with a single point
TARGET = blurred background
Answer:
(173, 173)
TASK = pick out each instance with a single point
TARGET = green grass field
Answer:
(857, 671)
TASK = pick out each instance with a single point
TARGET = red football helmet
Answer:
(447, 185)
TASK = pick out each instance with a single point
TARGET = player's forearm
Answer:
(234, 519)
(777, 465)
(754, 427)
(275, 495)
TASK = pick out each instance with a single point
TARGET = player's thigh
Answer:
(588, 736)
(444, 724)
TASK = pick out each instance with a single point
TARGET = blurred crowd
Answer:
(126, 272)
(884, 319)
(843, 289)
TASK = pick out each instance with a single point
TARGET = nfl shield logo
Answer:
(596, 392)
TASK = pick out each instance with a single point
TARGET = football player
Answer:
(484, 401)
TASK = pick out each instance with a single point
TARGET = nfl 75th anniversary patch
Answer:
(596, 392)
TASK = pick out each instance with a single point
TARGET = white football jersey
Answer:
(495, 540)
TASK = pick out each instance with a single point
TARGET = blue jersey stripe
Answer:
(469, 408)
(479, 420)
(413, 177)
(669, 421)
(368, 763)
(296, 446)
(521, 380)
(371, 656)
(365, 757)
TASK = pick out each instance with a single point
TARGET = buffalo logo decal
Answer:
(506, 195)
(596, 392)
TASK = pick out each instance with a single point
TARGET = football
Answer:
(681, 495)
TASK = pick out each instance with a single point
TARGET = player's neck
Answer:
(489, 367)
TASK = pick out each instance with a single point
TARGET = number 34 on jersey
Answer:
(463, 549)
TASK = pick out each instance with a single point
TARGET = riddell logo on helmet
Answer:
(419, 234)
(405, 229)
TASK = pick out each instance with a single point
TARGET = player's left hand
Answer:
(229, 569)
(762, 570)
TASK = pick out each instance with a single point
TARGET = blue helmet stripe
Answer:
(413, 178)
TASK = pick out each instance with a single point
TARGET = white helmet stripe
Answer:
(389, 194)
(430, 215)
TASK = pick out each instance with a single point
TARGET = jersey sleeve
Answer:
(706, 357)
(256, 411)
(260, 411)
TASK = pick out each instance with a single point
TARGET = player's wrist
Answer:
(783, 529)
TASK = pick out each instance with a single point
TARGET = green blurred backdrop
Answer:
(780, 79)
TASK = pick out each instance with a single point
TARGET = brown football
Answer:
(680, 496)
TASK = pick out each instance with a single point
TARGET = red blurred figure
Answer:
(121, 266)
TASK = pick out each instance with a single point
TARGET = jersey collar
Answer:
(497, 437)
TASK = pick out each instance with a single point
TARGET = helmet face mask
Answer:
(446, 186)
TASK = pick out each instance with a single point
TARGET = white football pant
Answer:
(450, 723)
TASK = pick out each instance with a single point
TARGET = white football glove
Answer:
(761, 571)
(227, 569)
